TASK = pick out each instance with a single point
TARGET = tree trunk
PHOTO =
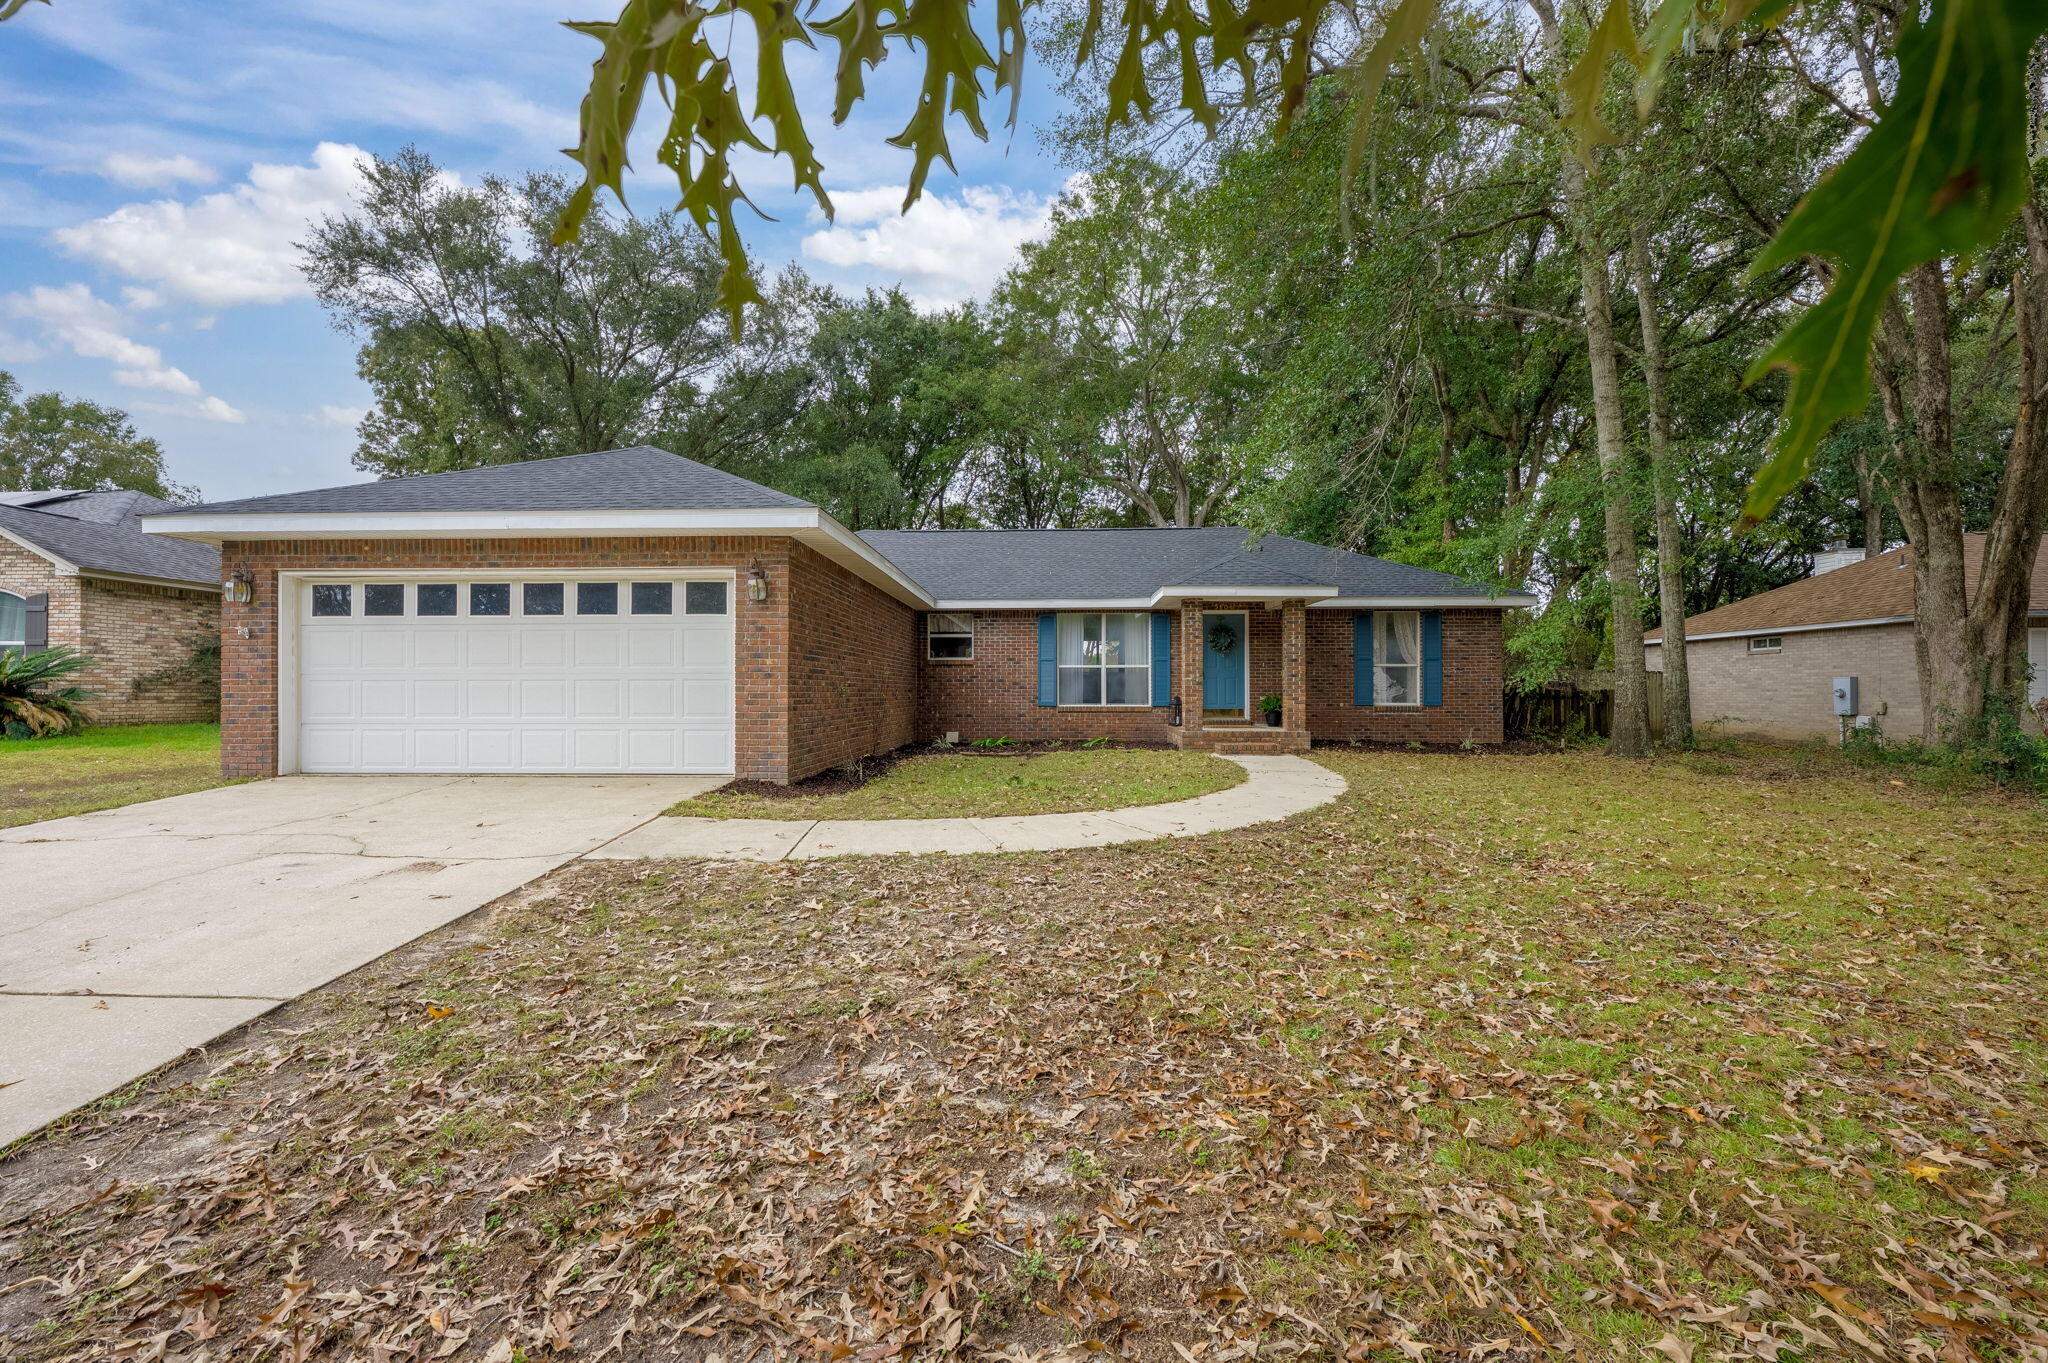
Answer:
(1998, 617)
(1630, 735)
(1664, 483)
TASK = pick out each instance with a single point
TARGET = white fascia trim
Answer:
(850, 544)
(64, 568)
(1390, 603)
(1173, 595)
(1787, 629)
(1075, 603)
(246, 525)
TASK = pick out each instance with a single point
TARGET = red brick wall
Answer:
(853, 653)
(761, 629)
(996, 694)
(129, 630)
(1472, 685)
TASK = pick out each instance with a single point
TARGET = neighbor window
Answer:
(1765, 643)
(13, 621)
(949, 638)
(1105, 659)
(1397, 657)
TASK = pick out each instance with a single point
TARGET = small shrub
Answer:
(35, 699)
(1994, 747)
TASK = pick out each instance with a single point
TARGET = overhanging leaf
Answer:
(1614, 36)
(1941, 174)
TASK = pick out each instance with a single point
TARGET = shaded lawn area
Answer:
(960, 785)
(1515, 1055)
(99, 768)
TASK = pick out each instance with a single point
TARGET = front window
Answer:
(13, 621)
(1397, 657)
(949, 638)
(1105, 658)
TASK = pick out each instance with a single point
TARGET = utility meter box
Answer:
(1846, 696)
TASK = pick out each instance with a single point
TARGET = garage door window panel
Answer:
(332, 599)
(597, 598)
(384, 598)
(654, 598)
(704, 598)
(542, 598)
(490, 598)
(435, 598)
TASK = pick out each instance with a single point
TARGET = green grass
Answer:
(954, 785)
(50, 778)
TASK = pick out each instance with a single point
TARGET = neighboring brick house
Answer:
(1765, 666)
(77, 570)
(633, 611)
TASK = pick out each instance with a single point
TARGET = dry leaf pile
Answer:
(1505, 1056)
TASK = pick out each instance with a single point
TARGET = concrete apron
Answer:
(1276, 787)
(131, 935)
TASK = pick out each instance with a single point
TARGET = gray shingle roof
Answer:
(1079, 565)
(641, 478)
(97, 532)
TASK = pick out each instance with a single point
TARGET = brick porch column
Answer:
(1294, 665)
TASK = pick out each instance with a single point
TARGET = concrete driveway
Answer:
(130, 935)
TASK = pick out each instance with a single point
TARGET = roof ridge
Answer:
(474, 468)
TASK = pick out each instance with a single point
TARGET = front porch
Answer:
(1229, 656)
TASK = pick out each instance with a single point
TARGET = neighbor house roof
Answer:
(98, 534)
(1876, 590)
(641, 478)
(1134, 567)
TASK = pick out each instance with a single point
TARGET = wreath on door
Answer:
(1222, 638)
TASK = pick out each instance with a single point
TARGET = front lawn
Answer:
(49, 778)
(971, 785)
(1495, 1057)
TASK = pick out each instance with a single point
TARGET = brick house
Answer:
(634, 611)
(1765, 666)
(77, 570)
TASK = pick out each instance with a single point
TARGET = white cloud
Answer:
(95, 330)
(155, 172)
(236, 246)
(203, 409)
(943, 251)
(331, 415)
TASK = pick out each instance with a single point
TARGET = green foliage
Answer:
(1994, 747)
(200, 668)
(36, 700)
(1941, 174)
(484, 343)
(49, 441)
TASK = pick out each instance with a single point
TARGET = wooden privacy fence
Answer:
(1578, 702)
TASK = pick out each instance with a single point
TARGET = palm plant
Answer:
(35, 700)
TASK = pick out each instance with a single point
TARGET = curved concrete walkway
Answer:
(1276, 787)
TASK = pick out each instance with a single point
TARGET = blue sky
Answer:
(158, 160)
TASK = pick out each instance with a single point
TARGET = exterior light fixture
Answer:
(239, 589)
(757, 582)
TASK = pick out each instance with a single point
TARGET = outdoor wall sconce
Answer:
(757, 582)
(239, 589)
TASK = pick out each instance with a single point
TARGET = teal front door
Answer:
(1223, 661)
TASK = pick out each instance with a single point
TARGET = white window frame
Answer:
(22, 642)
(962, 623)
(1381, 670)
(1101, 668)
(1766, 643)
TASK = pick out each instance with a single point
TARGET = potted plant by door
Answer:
(1269, 705)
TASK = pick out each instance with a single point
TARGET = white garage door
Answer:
(633, 674)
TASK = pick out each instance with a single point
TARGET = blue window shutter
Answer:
(1162, 658)
(1361, 658)
(1048, 672)
(1432, 657)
